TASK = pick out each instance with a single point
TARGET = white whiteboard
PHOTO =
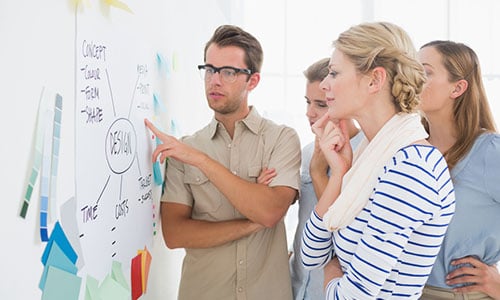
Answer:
(114, 180)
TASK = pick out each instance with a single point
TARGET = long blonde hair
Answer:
(471, 112)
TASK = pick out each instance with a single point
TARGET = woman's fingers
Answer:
(468, 260)
(333, 137)
(319, 125)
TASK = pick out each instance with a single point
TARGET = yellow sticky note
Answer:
(118, 4)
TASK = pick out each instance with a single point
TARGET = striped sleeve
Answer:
(406, 205)
(317, 245)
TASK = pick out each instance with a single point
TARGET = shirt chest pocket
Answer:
(207, 199)
(257, 162)
(253, 173)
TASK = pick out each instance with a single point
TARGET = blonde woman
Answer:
(380, 221)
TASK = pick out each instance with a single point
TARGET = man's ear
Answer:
(378, 77)
(253, 81)
(460, 88)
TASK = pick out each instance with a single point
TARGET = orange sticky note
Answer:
(145, 264)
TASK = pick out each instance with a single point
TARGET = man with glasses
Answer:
(229, 74)
(231, 226)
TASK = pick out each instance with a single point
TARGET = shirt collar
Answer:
(252, 122)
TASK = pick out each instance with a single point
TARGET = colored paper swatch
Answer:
(135, 277)
(92, 289)
(145, 265)
(59, 260)
(45, 175)
(58, 236)
(117, 274)
(139, 273)
(59, 279)
(110, 289)
(61, 285)
(37, 153)
(56, 141)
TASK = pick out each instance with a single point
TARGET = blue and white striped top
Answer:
(388, 251)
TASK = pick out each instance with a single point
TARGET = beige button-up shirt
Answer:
(255, 267)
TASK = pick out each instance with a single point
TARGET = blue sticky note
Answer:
(57, 259)
(58, 236)
(157, 173)
(159, 59)
(158, 104)
(162, 64)
(61, 285)
(173, 128)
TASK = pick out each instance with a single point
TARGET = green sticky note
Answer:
(110, 289)
(117, 274)
(92, 289)
(56, 258)
(61, 285)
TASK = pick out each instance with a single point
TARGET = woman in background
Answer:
(308, 284)
(461, 126)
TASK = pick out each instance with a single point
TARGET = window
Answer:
(296, 33)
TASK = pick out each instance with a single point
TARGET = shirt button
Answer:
(240, 289)
(197, 179)
(241, 261)
(235, 173)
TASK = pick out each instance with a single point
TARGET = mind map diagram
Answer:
(113, 169)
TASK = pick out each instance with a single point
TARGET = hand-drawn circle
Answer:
(121, 145)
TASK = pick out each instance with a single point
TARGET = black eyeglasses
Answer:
(227, 73)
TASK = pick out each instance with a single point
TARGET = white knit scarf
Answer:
(357, 185)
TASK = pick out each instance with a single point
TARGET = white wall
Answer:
(37, 50)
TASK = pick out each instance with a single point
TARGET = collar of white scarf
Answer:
(401, 130)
